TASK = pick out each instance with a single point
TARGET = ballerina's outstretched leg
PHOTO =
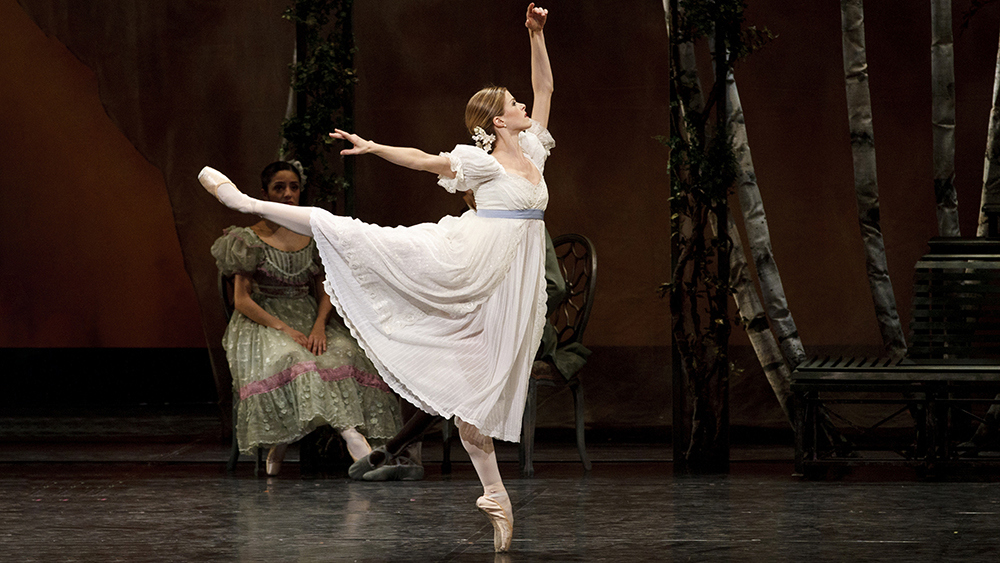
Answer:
(288, 216)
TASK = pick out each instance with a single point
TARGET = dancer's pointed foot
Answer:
(211, 179)
(357, 445)
(359, 449)
(503, 524)
(376, 458)
(275, 457)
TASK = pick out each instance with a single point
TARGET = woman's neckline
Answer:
(261, 239)
(513, 175)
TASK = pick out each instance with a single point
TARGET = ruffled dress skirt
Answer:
(286, 392)
(450, 313)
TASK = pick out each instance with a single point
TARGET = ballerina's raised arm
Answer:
(541, 72)
(542, 88)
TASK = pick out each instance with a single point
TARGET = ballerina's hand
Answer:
(361, 146)
(536, 18)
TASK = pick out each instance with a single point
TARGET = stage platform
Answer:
(150, 485)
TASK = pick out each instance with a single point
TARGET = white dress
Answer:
(451, 313)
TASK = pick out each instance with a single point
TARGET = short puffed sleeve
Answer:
(536, 142)
(237, 251)
(472, 167)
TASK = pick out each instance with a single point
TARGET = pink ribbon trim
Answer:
(285, 377)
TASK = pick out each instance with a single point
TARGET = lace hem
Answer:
(397, 386)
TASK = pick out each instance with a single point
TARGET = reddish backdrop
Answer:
(109, 110)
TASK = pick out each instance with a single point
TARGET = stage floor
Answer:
(139, 488)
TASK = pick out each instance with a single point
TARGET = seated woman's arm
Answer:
(246, 305)
(317, 337)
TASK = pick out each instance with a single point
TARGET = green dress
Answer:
(285, 391)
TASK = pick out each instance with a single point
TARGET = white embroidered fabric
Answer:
(451, 313)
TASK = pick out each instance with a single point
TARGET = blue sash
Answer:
(511, 213)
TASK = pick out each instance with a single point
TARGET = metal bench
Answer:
(938, 392)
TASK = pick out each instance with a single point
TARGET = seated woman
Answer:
(293, 368)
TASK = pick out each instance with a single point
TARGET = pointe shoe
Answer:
(274, 458)
(358, 469)
(503, 527)
(367, 446)
(211, 179)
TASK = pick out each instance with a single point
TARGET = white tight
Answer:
(289, 216)
(484, 459)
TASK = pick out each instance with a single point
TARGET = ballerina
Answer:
(450, 313)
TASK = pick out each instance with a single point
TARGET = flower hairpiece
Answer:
(483, 139)
(300, 169)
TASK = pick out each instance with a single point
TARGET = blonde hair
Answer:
(483, 106)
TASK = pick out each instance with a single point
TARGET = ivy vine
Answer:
(323, 80)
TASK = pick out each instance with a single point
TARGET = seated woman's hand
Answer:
(317, 340)
(297, 336)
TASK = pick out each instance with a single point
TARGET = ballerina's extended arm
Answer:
(541, 71)
(415, 159)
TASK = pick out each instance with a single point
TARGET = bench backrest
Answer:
(956, 301)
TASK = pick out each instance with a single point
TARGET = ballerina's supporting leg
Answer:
(289, 216)
(494, 503)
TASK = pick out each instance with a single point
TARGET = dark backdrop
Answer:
(109, 109)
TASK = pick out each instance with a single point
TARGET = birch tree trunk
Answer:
(991, 195)
(691, 94)
(943, 117)
(759, 237)
(991, 168)
(865, 183)
(772, 358)
(754, 320)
